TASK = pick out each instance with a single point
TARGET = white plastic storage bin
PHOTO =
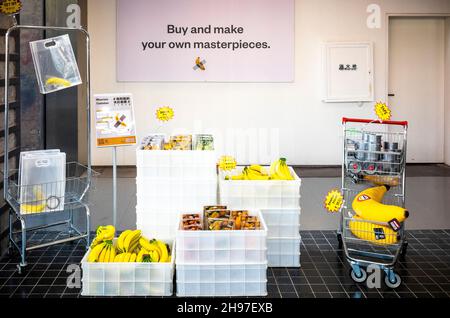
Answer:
(282, 222)
(178, 164)
(221, 280)
(127, 279)
(260, 194)
(283, 252)
(222, 247)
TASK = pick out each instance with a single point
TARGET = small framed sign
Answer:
(348, 72)
(114, 120)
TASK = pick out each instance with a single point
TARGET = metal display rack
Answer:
(374, 152)
(76, 184)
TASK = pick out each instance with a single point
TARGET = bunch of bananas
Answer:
(371, 215)
(278, 171)
(130, 246)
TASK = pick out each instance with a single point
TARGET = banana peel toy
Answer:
(367, 205)
(376, 233)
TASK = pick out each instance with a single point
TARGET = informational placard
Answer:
(114, 120)
(204, 40)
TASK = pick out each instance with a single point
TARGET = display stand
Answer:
(114, 162)
(78, 176)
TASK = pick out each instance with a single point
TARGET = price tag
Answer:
(10, 7)
(164, 113)
(227, 163)
(382, 111)
(333, 201)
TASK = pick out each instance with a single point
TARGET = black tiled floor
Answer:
(425, 271)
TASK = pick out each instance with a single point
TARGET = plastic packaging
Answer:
(55, 64)
(42, 181)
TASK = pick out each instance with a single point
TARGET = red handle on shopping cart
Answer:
(371, 121)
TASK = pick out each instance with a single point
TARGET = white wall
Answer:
(447, 93)
(309, 130)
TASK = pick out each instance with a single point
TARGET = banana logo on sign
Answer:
(199, 64)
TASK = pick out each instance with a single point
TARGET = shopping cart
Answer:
(374, 153)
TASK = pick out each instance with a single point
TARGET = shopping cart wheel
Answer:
(361, 279)
(20, 269)
(397, 282)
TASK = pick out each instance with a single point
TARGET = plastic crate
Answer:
(127, 279)
(179, 164)
(278, 260)
(283, 252)
(282, 222)
(221, 280)
(157, 223)
(225, 247)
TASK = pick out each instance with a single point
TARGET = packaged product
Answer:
(181, 142)
(153, 142)
(191, 220)
(220, 224)
(217, 214)
(55, 64)
(194, 227)
(214, 207)
(239, 217)
(204, 142)
(251, 223)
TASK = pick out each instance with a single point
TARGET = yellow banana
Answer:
(280, 171)
(112, 254)
(145, 244)
(373, 232)
(57, 81)
(121, 239)
(101, 258)
(154, 256)
(95, 252)
(133, 258)
(126, 258)
(254, 175)
(164, 253)
(140, 256)
(131, 239)
(258, 168)
(367, 205)
(121, 257)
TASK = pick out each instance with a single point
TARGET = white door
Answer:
(416, 78)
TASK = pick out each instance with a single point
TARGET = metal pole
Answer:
(114, 186)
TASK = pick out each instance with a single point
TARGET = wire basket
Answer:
(52, 196)
(369, 152)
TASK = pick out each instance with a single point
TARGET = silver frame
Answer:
(72, 229)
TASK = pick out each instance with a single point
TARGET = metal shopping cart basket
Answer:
(374, 153)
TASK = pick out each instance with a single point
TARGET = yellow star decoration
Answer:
(10, 6)
(382, 110)
(227, 163)
(333, 201)
(164, 113)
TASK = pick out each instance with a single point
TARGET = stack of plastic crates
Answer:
(170, 182)
(374, 155)
(279, 203)
(222, 263)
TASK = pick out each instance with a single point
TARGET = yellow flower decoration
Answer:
(382, 110)
(164, 113)
(10, 7)
(227, 163)
(333, 201)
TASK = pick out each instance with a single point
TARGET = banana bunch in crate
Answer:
(129, 247)
(278, 171)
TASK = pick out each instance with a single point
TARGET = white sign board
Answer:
(348, 72)
(114, 120)
(204, 40)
